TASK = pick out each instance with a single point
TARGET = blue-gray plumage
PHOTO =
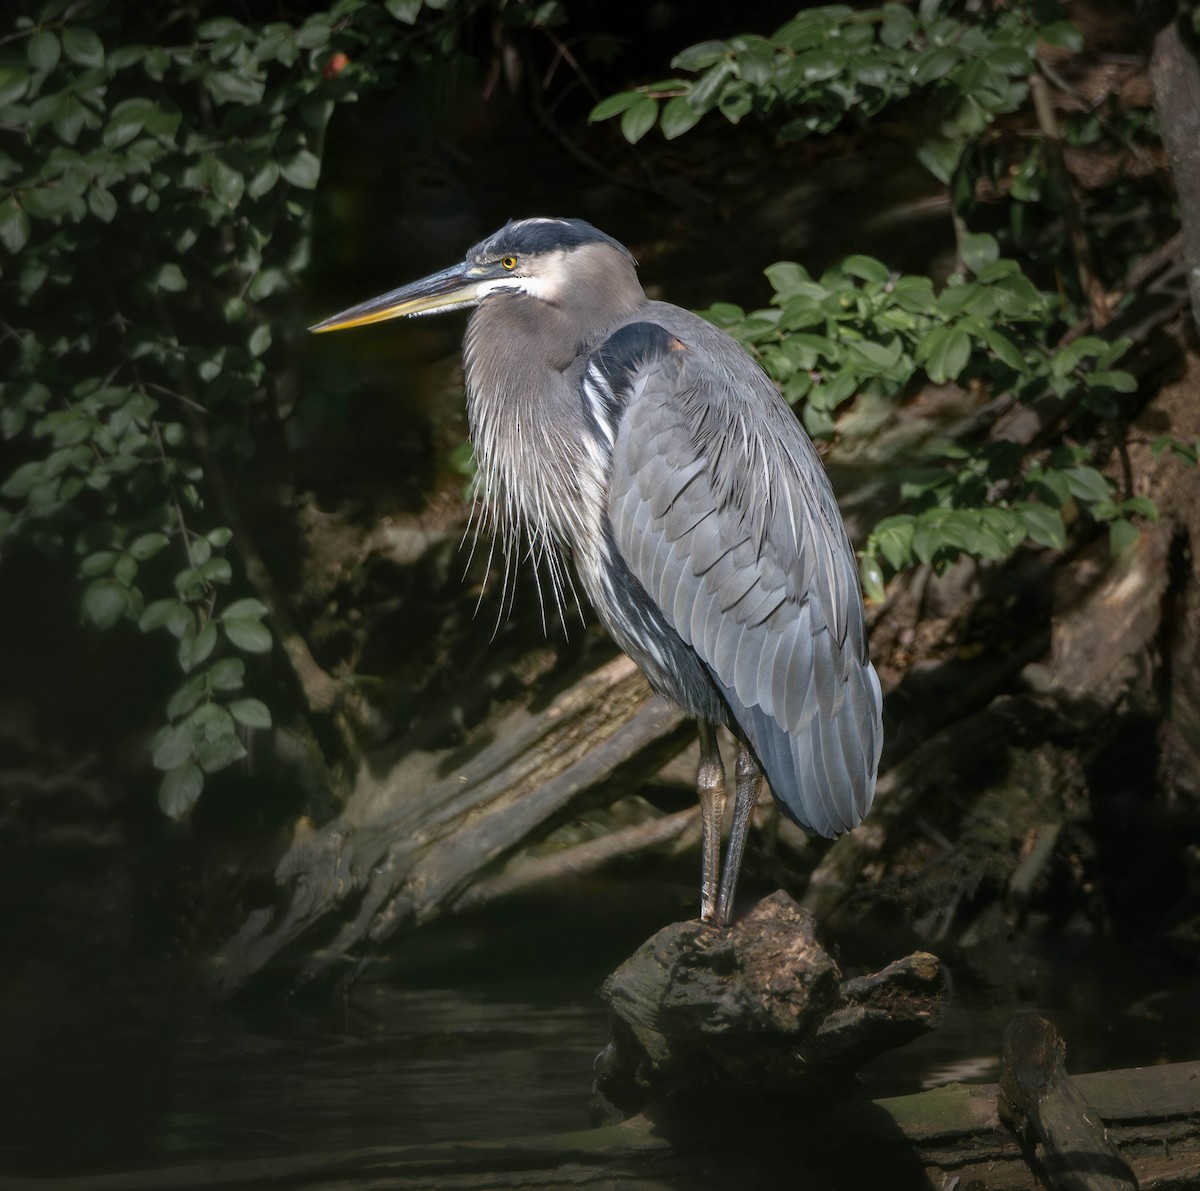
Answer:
(645, 443)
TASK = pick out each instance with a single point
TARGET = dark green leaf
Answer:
(248, 609)
(43, 50)
(1122, 536)
(1062, 34)
(83, 46)
(695, 57)
(248, 635)
(180, 789)
(303, 170)
(1045, 524)
(251, 712)
(260, 339)
(1086, 484)
(220, 752)
(147, 546)
(173, 746)
(978, 250)
(188, 695)
(104, 602)
(14, 82)
(102, 204)
(404, 11)
(99, 563)
(227, 86)
(162, 613)
(227, 674)
(940, 158)
(170, 278)
(677, 117)
(639, 119)
(14, 225)
(614, 105)
(217, 570)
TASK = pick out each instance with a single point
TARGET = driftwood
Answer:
(1060, 1133)
(406, 849)
(759, 1005)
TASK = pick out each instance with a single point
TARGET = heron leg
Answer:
(745, 798)
(710, 786)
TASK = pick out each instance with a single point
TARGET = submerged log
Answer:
(758, 1005)
(1060, 1133)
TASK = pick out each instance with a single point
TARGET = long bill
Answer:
(460, 285)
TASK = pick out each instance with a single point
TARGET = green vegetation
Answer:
(155, 203)
(860, 328)
(155, 210)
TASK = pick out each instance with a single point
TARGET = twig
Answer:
(1089, 283)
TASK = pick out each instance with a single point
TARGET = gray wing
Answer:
(722, 511)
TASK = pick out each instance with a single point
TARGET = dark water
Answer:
(481, 1032)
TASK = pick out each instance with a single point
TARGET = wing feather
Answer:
(720, 509)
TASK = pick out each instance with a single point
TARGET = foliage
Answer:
(860, 329)
(155, 187)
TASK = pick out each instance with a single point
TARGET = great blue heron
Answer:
(647, 444)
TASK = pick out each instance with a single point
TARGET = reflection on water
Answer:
(401, 1066)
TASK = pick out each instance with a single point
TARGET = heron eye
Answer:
(509, 262)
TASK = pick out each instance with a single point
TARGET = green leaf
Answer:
(125, 121)
(227, 674)
(1119, 382)
(180, 789)
(1004, 349)
(43, 50)
(1122, 536)
(252, 712)
(940, 158)
(871, 574)
(978, 249)
(677, 117)
(104, 602)
(102, 204)
(950, 355)
(260, 339)
(173, 746)
(303, 170)
(188, 695)
(14, 225)
(194, 649)
(697, 57)
(83, 46)
(217, 570)
(147, 546)
(99, 563)
(171, 279)
(639, 119)
(405, 11)
(220, 752)
(247, 609)
(175, 616)
(1045, 524)
(248, 635)
(14, 82)
(614, 105)
(1086, 484)
(227, 86)
(1062, 34)
(866, 268)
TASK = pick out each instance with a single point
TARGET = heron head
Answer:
(551, 260)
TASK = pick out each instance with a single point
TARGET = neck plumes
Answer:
(540, 476)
